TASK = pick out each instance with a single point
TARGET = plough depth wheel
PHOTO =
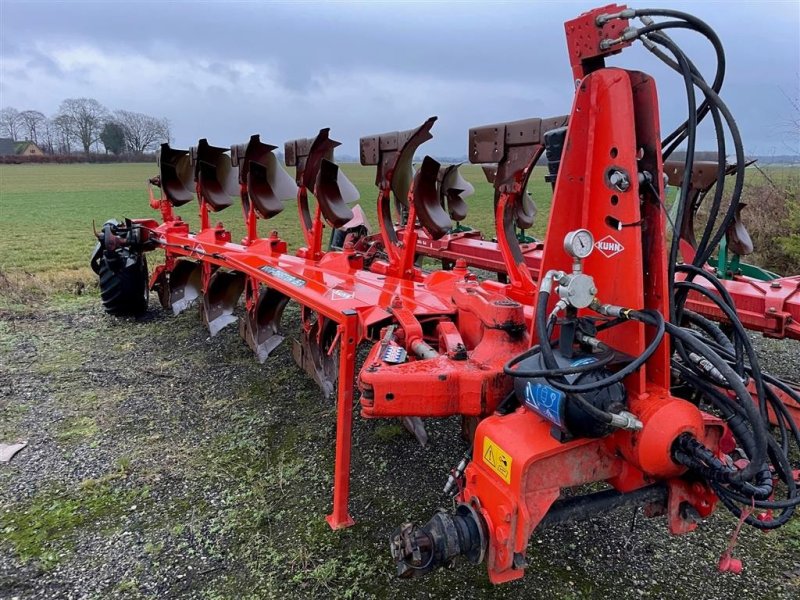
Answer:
(124, 289)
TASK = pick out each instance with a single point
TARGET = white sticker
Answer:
(342, 295)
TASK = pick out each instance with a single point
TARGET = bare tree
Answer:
(62, 133)
(32, 122)
(48, 136)
(793, 121)
(86, 117)
(142, 132)
(9, 122)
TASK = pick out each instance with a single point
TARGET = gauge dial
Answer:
(579, 243)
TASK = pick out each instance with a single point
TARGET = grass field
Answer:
(166, 464)
(46, 214)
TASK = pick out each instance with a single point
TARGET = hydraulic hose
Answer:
(701, 257)
(674, 139)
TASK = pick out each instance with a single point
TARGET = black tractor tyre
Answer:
(124, 292)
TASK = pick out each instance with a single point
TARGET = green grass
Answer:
(43, 529)
(77, 428)
(46, 213)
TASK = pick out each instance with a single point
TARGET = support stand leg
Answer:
(340, 517)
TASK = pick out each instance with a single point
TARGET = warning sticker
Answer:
(497, 459)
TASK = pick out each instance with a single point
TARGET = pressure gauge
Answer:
(579, 243)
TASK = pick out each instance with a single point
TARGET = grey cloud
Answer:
(228, 69)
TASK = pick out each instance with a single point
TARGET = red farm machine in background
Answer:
(593, 358)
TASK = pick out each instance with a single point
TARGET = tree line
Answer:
(83, 124)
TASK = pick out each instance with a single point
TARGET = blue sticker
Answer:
(545, 400)
(583, 361)
(394, 355)
(284, 276)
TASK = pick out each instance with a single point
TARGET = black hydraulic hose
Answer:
(648, 317)
(720, 136)
(742, 412)
(509, 369)
(728, 361)
(691, 22)
(736, 384)
(786, 423)
(542, 330)
(734, 414)
(781, 407)
(713, 99)
(687, 168)
(755, 495)
(710, 328)
(730, 314)
(742, 343)
(702, 257)
(693, 270)
(701, 459)
(678, 135)
(730, 497)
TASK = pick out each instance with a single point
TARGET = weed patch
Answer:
(41, 530)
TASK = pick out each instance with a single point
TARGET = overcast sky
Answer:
(226, 70)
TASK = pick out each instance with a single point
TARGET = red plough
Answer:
(589, 366)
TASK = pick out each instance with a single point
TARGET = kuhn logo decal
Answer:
(609, 247)
(341, 295)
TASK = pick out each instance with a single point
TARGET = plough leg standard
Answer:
(592, 371)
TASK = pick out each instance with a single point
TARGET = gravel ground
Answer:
(164, 464)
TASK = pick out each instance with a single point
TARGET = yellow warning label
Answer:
(497, 459)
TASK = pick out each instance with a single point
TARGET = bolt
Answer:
(619, 180)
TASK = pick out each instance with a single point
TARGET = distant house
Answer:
(10, 147)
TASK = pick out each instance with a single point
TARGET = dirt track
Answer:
(165, 464)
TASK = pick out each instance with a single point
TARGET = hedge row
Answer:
(77, 158)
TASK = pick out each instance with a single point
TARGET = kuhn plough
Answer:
(591, 359)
